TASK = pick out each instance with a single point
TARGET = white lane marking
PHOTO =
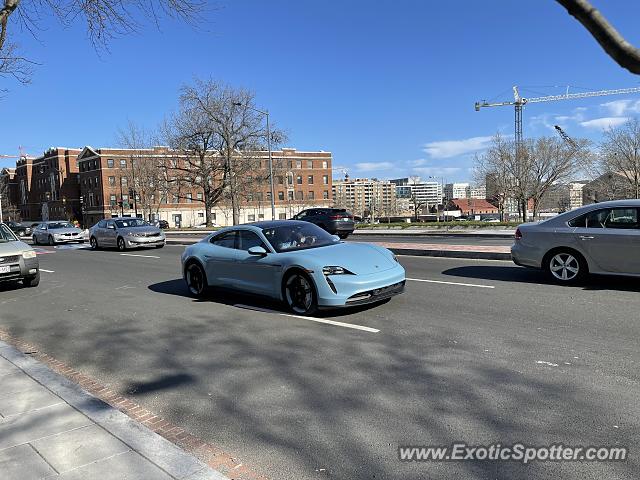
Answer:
(450, 283)
(136, 255)
(47, 271)
(311, 319)
(542, 362)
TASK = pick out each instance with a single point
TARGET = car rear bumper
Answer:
(22, 268)
(525, 256)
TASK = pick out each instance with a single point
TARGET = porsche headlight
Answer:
(335, 270)
(29, 254)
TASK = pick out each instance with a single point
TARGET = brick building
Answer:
(472, 206)
(106, 183)
(47, 186)
(9, 193)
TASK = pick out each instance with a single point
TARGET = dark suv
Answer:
(336, 221)
(19, 229)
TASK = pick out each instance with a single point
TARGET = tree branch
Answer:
(614, 44)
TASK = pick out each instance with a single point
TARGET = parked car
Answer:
(21, 230)
(336, 221)
(124, 233)
(295, 262)
(602, 238)
(203, 225)
(18, 261)
(163, 224)
(57, 231)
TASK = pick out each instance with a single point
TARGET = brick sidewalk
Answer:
(51, 428)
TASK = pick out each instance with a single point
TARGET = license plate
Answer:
(6, 269)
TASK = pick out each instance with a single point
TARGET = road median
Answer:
(480, 252)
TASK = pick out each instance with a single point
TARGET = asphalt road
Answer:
(293, 398)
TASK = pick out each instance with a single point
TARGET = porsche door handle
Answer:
(586, 237)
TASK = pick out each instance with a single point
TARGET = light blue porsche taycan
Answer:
(295, 262)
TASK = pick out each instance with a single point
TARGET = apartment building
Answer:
(464, 190)
(425, 193)
(365, 197)
(47, 186)
(109, 187)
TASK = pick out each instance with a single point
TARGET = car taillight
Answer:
(518, 234)
(335, 217)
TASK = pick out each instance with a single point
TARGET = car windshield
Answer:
(131, 223)
(55, 225)
(6, 235)
(298, 236)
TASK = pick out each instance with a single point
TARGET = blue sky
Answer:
(387, 86)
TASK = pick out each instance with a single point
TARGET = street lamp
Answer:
(266, 114)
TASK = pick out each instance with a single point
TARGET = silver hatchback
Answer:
(602, 238)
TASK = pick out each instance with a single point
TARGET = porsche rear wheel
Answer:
(300, 294)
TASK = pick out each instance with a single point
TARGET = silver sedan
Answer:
(124, 233)
(54, 232)
(603, 238)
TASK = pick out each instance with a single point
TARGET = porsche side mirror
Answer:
(258, 250)
(335, 237)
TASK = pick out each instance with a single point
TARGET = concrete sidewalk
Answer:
(51, 428)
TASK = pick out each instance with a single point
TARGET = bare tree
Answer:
(552, 161)
(620, 153)
(417, 203)
(614, 44)
(493, 169)
(145, 174)
(239, 133)
(104, 19)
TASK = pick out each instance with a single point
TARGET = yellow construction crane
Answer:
(519, 102)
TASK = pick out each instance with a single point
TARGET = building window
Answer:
(153, 198)
(282, 216)
(189, 197)
(299, 195)
(309, 163)
(123, 164)
(298, 163)
(261, 216)
(269, 196)
(175, 199)
(290, 196)
(251, 218)
(311, 195)
(299, 179)
(289, 178)
(280, 195)
(324, 164)
(95, 181)
(199, 196)
(259, 196)
(112, 181)
(112, 200)
(325, 179)
(325, 194)
(110, 162)
(310, 179)
(280, 180)
(200, 214)
(123, 181)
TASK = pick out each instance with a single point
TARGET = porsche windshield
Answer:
(298, 236)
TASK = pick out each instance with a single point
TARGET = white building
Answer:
(426, 193)
(365, 197)
(575, 194)
(464, 190)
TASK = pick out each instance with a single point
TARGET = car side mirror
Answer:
(257, 250)
(335, 237)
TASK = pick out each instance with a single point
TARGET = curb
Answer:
(436, 234)
(416, 252)
(158, 450)
(451, 254)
